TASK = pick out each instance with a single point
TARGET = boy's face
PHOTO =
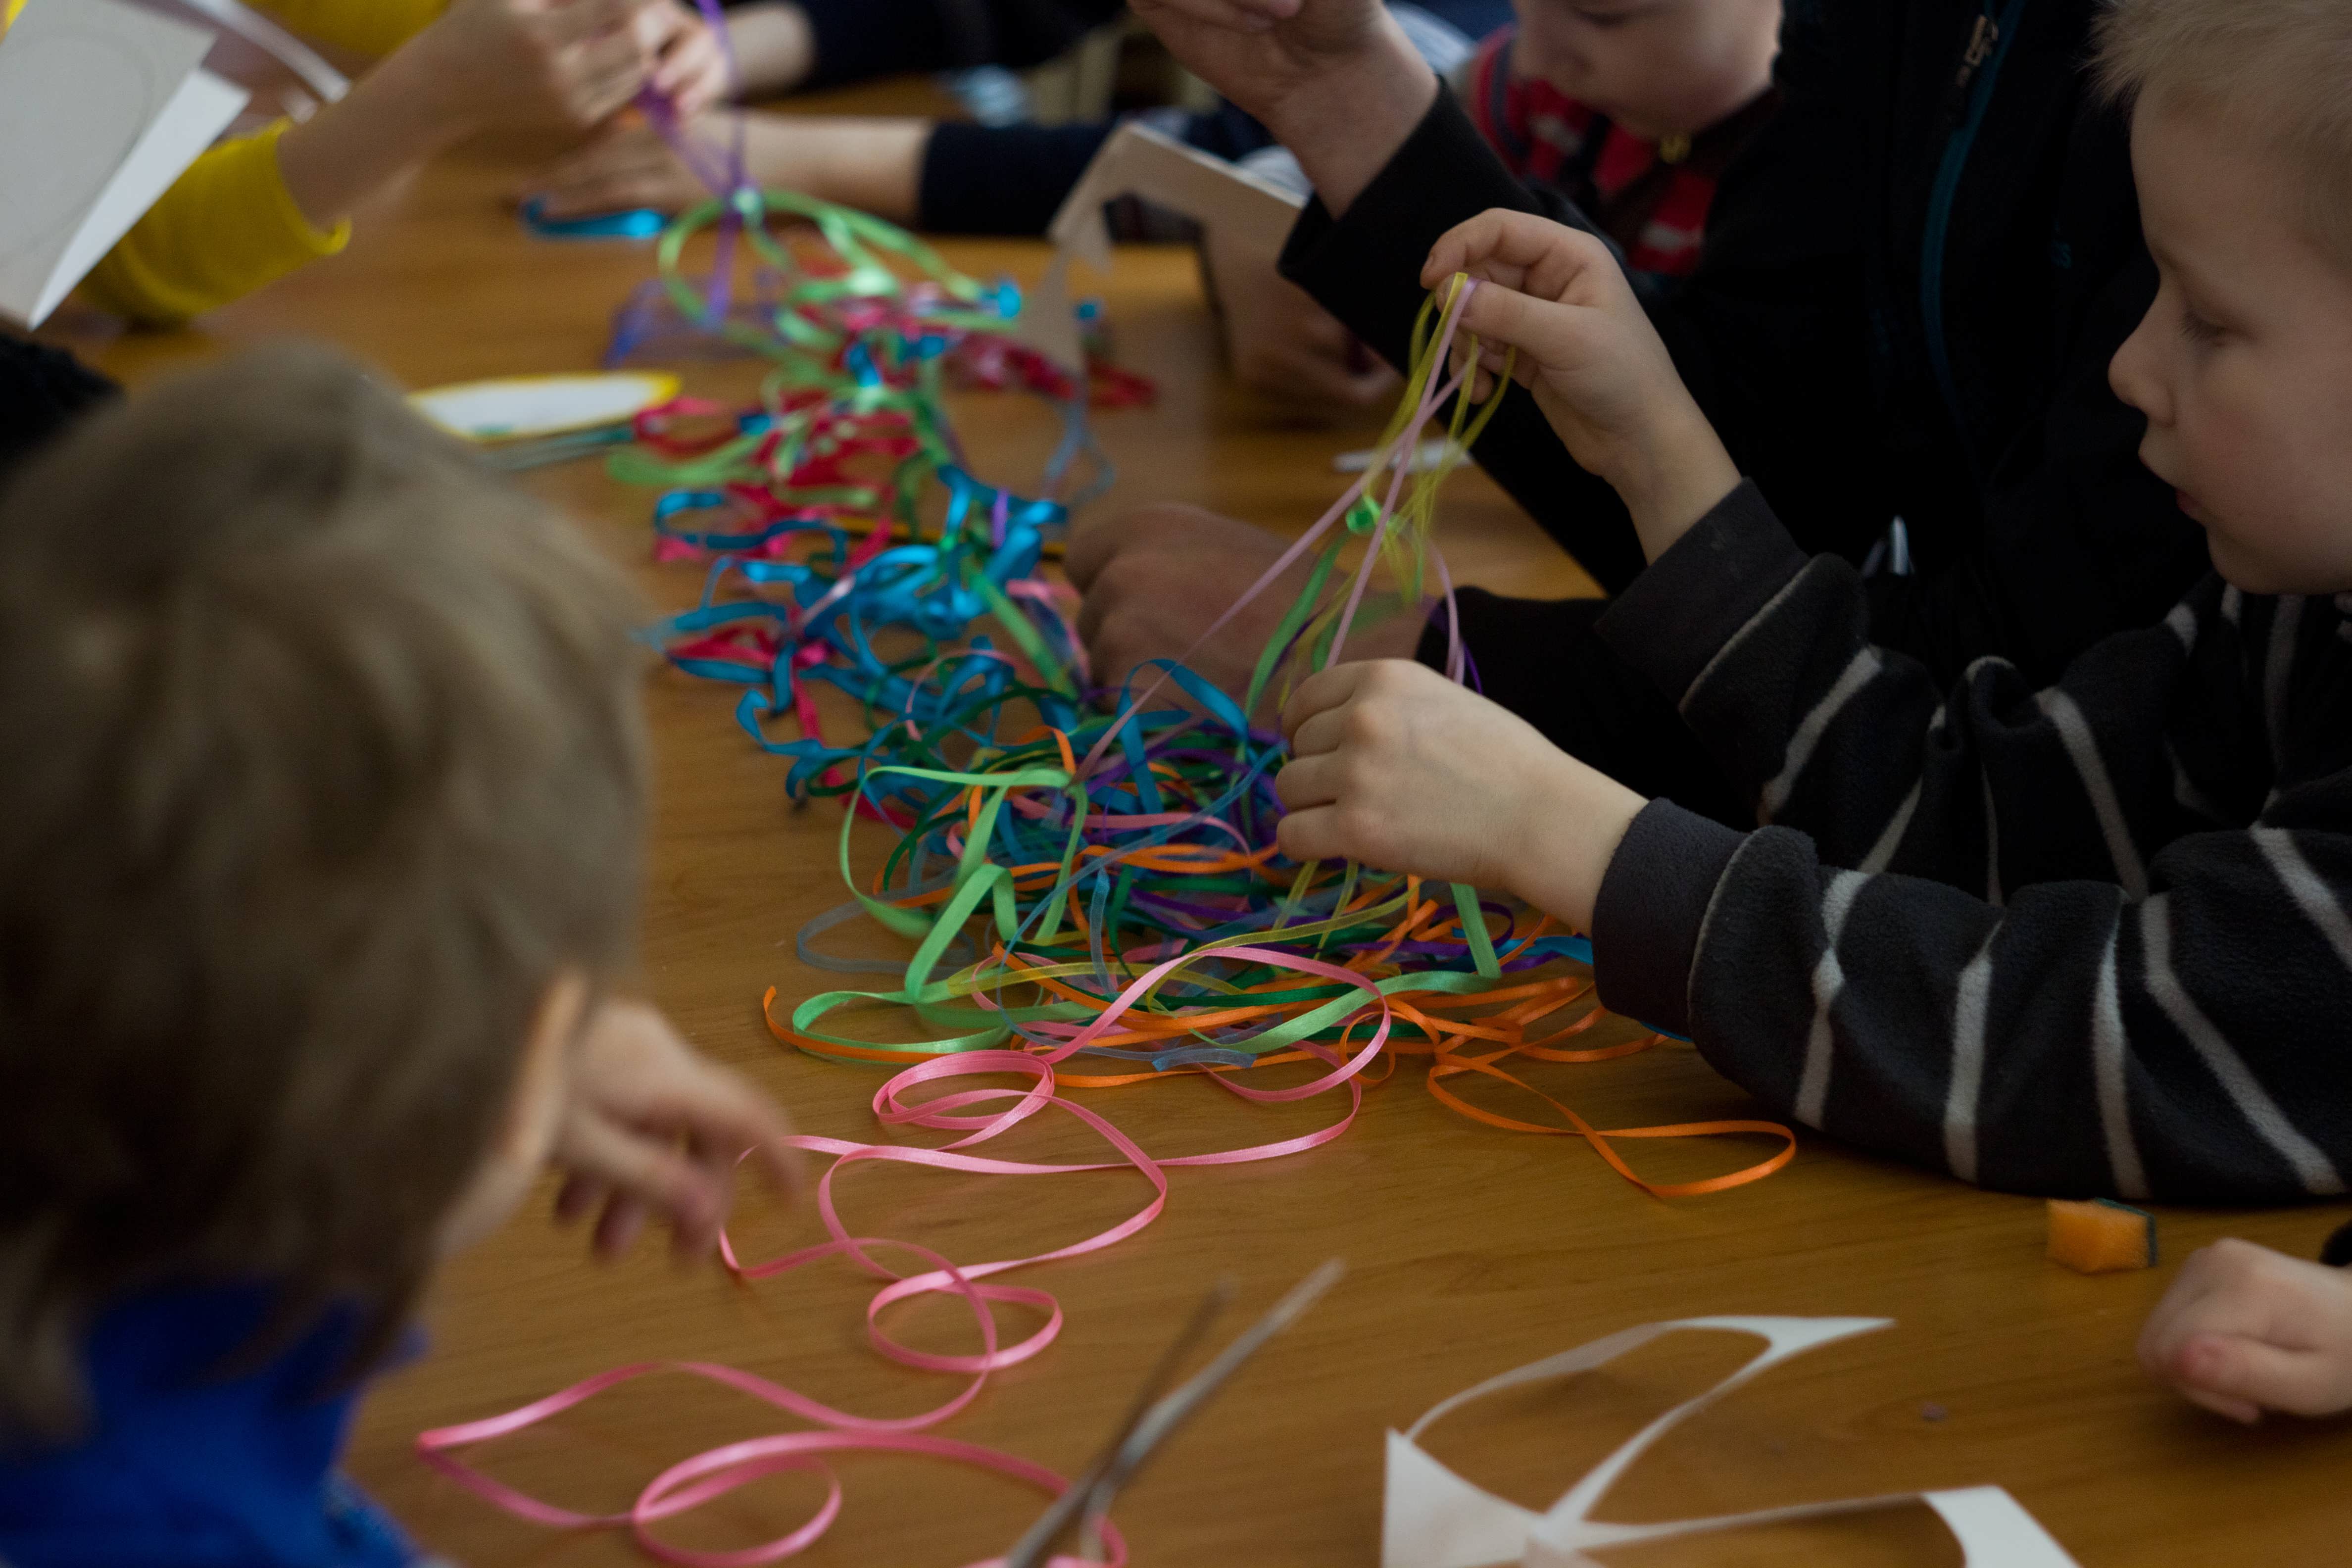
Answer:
(1659, 67)
(2244, 365)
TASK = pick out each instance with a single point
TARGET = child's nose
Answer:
(2135, 375)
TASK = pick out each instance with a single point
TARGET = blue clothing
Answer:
(180, 1467)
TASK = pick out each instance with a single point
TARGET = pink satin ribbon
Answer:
(695, 1481)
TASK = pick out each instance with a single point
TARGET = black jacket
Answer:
(2091, 939)
(857, 39)
(1913, 280)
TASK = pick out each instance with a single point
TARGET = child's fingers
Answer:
(1511, 247)
(652, 1171)
(1533, 326)
(1313, 835)
(1324, 688)
(1321, 733)
(2244, 1412)
(578, 1196)
(2232, 1368)
(618, 1227)
(1309, 782)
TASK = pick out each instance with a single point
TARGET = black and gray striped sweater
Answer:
(2095, 939)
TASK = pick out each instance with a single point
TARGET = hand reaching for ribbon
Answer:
(1158, 578)
(1396, 766)
(1595, 364)
(652, 1128)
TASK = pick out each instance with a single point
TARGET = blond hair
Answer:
(324, 760)
(2281, 69)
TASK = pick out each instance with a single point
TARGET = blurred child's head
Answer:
(2241, 148)
(1659, 67)
(320, 823)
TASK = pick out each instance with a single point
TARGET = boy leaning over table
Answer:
(2095, 938)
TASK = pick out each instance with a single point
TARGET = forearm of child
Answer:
(394, 118)
(873, 165)
(774, 46)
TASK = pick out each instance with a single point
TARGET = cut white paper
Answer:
(516, 406)
(101, 107)
(1139, 161)
(1432, 1517)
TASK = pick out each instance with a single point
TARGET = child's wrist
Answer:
(1348, 117)
(1575, 818)
(1679, 474)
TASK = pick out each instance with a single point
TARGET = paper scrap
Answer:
(512, 407)
(1139, 161)
(1432, 1517)
(101, 107)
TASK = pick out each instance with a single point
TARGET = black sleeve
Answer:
(1987, 929)
(1001, 179)
(857, 39)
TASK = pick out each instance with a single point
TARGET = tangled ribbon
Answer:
(1120, 867)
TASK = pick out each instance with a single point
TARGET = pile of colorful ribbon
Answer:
(1096, 898)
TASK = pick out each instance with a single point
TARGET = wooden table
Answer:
(1470, 1250)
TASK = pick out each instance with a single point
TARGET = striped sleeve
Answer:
(2006, 933)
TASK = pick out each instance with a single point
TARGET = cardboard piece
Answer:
(1432, 1517)
(101, 107)
(1139, 161)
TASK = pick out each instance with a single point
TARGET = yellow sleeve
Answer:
(373, 28)
(227, 226)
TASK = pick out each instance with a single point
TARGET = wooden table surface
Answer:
(1470, 1250)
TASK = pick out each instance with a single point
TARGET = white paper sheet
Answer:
(101, 107)
(1139, 161)
(1434, 1519)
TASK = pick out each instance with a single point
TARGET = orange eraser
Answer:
(2101, 1236)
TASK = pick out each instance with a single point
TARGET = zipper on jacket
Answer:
(1972, 87)
(1981, 39)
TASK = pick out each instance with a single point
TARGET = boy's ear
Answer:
(542, 1078)
(525, 1135)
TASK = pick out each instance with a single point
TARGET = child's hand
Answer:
(691, 66)
(1596, 367)
(629, 166)
(567, 62)
(2245, 1330)
(1282, 343)
(651, 1126)
(1394, 765)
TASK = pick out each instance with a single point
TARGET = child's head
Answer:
(322, 813)
(2241, 148)
(1659, 67)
